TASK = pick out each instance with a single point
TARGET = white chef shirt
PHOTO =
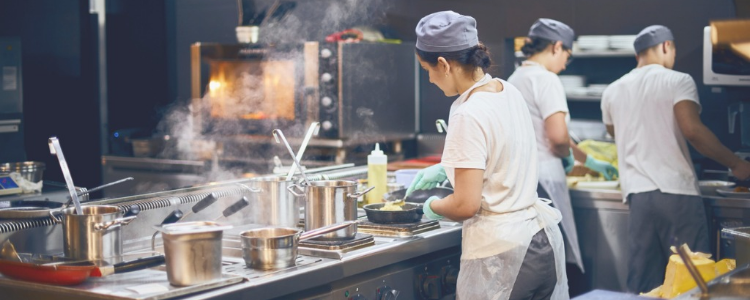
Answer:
(652, 151)
(545, 96)
(493, 132)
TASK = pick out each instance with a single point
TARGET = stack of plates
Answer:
(596, 89)
(621, 42)
(574, 85)
(593, 42)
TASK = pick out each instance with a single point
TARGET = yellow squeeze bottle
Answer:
(377, 175)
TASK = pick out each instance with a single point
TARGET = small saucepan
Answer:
(276, 247)
(410, 213)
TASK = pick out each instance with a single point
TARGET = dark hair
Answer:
(536, 45)
(469, 59)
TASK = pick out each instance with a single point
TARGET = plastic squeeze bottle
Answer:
(377, 175)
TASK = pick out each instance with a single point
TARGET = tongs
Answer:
(55, 149)
(277, 134)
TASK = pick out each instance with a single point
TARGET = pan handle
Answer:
(360, 194)
(296, 194)
(323, 230)
(107, 225)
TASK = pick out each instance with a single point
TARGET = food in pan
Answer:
(741, 189)
(391, 206)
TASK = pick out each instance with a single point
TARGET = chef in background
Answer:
(651, 112)
(548, 50)
(511, 244)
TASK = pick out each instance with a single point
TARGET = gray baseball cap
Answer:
(446, 31)
(652, 36)
(554, 31)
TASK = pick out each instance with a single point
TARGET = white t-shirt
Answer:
(493, 132)
(652, 151)
(545, 96)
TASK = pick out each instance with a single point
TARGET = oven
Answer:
(352, 89)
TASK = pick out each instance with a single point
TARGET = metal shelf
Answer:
(594, 53)
(583, 98)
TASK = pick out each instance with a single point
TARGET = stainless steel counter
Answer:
(311, 272)
(602, 223)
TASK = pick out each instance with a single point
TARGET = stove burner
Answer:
(359, 241)
(397, 230)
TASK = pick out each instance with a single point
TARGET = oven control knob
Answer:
(326, 77)
(325, 53)
(327, 125)
(450, 279)
(326, 101)
(389, 295)
(431, 287)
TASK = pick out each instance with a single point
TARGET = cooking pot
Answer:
(330, 202)
(94, 235)
(274, 205)
(276, 247)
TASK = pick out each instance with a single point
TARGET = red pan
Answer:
(72, 274)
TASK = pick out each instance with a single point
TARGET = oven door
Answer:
(248, 89)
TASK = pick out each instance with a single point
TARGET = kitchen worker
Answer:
(512, 246)
(651, 111)
(548, 50)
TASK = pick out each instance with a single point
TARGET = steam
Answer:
(249, 90)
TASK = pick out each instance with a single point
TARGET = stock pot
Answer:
(330, 202)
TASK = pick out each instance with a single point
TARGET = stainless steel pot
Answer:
(192, 251)
(276, 247)
(29, 170)
(330, 202)
(94, 235)
(273, 205)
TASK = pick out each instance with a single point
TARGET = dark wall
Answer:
(501, 20)
(58, 82)
(136, 63)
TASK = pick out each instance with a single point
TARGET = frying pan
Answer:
(28, 209)
(412, 212)
(71, 273)
(418, 196)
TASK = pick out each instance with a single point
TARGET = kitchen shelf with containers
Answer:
(598, 60)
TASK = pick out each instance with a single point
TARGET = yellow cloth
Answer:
(677, 279)
(600, 150)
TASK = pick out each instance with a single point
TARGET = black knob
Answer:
(205, 202)
(432, 287)
(173, 217)
(450, 279)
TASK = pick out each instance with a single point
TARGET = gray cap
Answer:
(652, 36)
(446, 31)
(554, 31)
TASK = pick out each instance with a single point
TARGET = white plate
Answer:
(730, 193)
(598, 185)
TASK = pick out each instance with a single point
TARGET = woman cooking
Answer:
(512, 247)
(548, 50)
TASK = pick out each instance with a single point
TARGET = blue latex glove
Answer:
(428, 210)
(427, 178)
(568, 162)
(608, 170)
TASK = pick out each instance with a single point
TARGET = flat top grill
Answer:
(399, 229)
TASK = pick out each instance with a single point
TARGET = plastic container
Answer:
(377, 175)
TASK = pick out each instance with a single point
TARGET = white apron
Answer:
(552, 179)
(494, 245)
